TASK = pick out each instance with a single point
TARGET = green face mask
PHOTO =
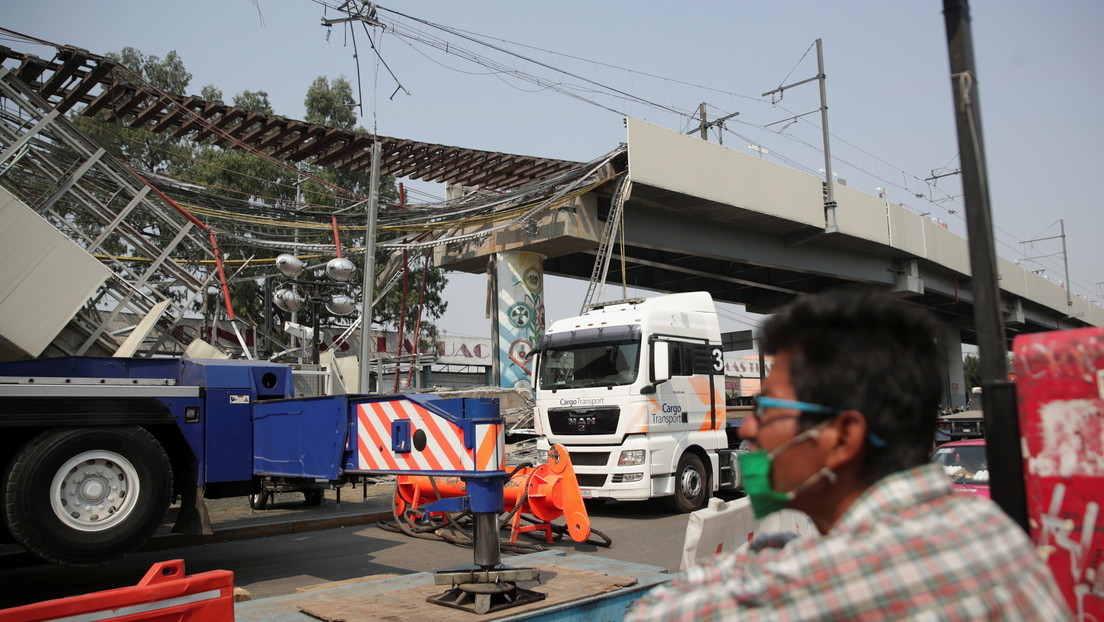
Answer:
(755, 472)
(755, 469)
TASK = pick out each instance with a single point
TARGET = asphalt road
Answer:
(291, 547)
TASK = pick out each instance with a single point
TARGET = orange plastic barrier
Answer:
(165, 594)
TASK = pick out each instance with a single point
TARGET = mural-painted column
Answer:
(518, 279)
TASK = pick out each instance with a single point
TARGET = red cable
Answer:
(222, 276)
(210, 234)
(402, 320)
(337, 237)
(418, 323)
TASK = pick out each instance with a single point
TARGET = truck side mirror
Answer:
(661, 362)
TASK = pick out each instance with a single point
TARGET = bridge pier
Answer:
(955, 389)
(518, 324)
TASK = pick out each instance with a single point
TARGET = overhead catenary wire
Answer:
(912, 184)
(941, 200)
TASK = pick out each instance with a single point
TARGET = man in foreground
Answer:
(842, 432)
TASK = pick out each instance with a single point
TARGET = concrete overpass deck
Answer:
(751, 232)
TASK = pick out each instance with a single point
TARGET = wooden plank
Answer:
(562, 584)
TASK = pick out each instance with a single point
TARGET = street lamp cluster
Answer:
(291, 298)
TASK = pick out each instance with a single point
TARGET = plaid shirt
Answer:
(908, 548)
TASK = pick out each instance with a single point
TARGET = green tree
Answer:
(331, 103)
(238, 174)
(244, 175)
(138, 146)
(971, 371)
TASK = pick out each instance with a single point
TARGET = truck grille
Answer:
(591, 480)
(596, 458)
(584, 421)
(967, 429)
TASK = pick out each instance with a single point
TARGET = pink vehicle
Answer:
(966, 464)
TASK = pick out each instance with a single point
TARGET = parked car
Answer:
(965, 462)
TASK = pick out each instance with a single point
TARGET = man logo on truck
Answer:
(583, 423)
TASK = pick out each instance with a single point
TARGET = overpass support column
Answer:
(518, 318)
(955, 389)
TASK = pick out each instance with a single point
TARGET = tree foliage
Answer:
(159, 153)
(331, 103)
(971, 371)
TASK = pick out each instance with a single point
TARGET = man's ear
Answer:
(848, 439)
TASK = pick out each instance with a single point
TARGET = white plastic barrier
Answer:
(726, 526)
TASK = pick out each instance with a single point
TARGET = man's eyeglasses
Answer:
(762, 403)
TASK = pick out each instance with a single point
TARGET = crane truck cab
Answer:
(635, 391)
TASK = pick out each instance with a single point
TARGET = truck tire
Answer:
(85, 496)
(691, 485)
(313, 496)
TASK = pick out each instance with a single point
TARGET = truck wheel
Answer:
(82, 497)
(312, 496)
(691, 485)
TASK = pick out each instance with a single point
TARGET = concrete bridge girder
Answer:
(703, 217)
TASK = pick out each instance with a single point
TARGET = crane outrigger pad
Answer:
(493, 590)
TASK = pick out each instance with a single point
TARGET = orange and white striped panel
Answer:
(444, 450)
(490, 447)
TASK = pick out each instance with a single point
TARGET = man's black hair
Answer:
(867, 351)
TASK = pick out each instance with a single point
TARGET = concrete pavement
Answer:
(232, 518)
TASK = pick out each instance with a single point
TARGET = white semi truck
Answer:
(635, 391)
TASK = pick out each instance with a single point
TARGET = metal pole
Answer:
(267, 350)
(492, 301)
(830, 198)
(316, 308)
(369, 283)
(485, 540)
(1065, 265)
(1002, 424)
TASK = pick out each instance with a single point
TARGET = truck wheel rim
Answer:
(95, 490)
(691, 483)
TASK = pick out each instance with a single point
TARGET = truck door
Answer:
(687, 401)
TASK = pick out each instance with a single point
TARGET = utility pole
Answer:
(1065, 261)
(830, 196)
(368, 292)
(1065, 266)
(830, 200)
(1002, 423)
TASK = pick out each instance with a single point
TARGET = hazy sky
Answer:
(888, 92)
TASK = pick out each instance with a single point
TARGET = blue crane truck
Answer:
(95, 450)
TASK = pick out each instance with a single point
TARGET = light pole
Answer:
(338, 272)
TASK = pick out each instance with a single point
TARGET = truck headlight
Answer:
(632, 457)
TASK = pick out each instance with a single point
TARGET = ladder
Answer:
(605, 245)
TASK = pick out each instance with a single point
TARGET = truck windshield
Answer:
(589, 364)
